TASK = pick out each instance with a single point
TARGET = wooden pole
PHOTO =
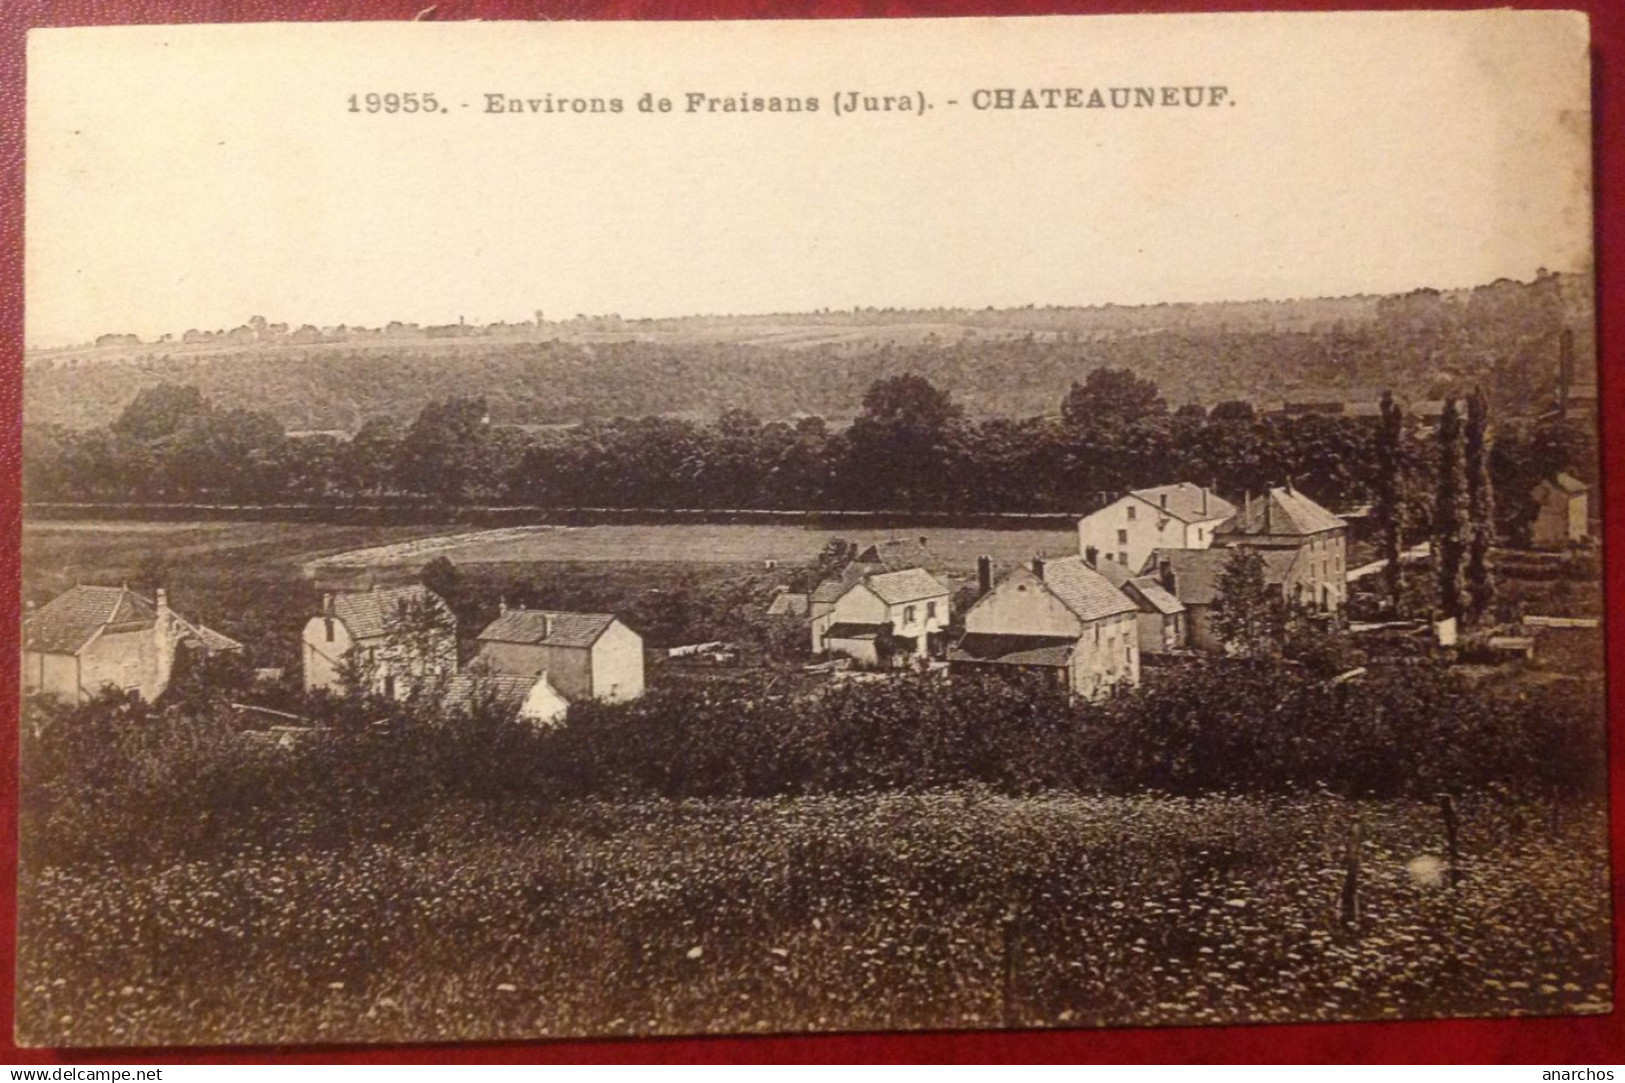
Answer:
(1349, 904)
(1452, 826)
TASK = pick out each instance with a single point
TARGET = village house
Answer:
(522, 699)
(584, 655)
(1561, 515)
(398, 640)
(1162, 617)
(90, 638)
(1285, 520)
(883, 617)
(896, 555)
(1181, 516)
(1058, 617)
(1192, 576)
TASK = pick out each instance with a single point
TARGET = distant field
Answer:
(956, 549)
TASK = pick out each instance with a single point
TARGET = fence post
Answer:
(1447, 809)
(1349, 904)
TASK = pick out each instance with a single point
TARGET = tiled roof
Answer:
(1083, 590)
(1187, 502)
(830, 590)
(1197, 571)
(1155, 596)
(502, 688)
(897, 554)
(1281, 511)
(542, 627)
(66, 623)
(788, 604)
(368, 613)
(1012, 650)
(908, 585)
(207, 638)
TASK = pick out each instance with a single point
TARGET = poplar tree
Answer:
(1389, 499)
(1449, 525)
(1480, 506)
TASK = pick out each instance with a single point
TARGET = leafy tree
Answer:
(903, 445)
(158, 412)
(1449, 522)
(442, 453)
(1480, 506)
(1109, 395)
(440, 575)
(1247, 614)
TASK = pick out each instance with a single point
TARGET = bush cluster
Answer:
(118, 774)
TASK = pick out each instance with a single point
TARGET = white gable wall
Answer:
(1021, 606)
(1131, 527)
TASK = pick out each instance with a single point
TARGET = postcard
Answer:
(561, 529)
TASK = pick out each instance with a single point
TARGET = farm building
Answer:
(524, 699)
(1162, 618)
(1284, 520)
(895, 555)
(1181, 516)
(1058, 617)
(585, 655)
(1192, 576)
(789, 603)
(397, 639)
(90, 638)
(1560, 519)
(884, 616)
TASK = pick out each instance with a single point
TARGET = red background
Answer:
(1588, 1040)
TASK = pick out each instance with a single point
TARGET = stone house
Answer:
(1058, 617)
(90, 638)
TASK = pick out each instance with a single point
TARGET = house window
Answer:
(330, 629)
(389, 686)
(1122, 558)
(930, 610)
(1128, 653)
(908, 614)
(1131, 513)
(1199, 533)
(1122, 537)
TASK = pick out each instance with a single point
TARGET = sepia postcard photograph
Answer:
(558, 530)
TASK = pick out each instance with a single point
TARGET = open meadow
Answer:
(944, 909)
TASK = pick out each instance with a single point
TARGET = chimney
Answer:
(1162, 501)
(1289, 488)
(163, 600)
(502, 605)
(327, 604)
(547, 626)
(1038, 567)
(1165, 573)
(984, 575)
(922, 541)
(1091, 556)
(1204, 502)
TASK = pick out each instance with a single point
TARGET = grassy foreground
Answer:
(511, 920)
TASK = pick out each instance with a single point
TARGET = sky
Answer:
(193, 177)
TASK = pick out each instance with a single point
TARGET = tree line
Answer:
(913, 447)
